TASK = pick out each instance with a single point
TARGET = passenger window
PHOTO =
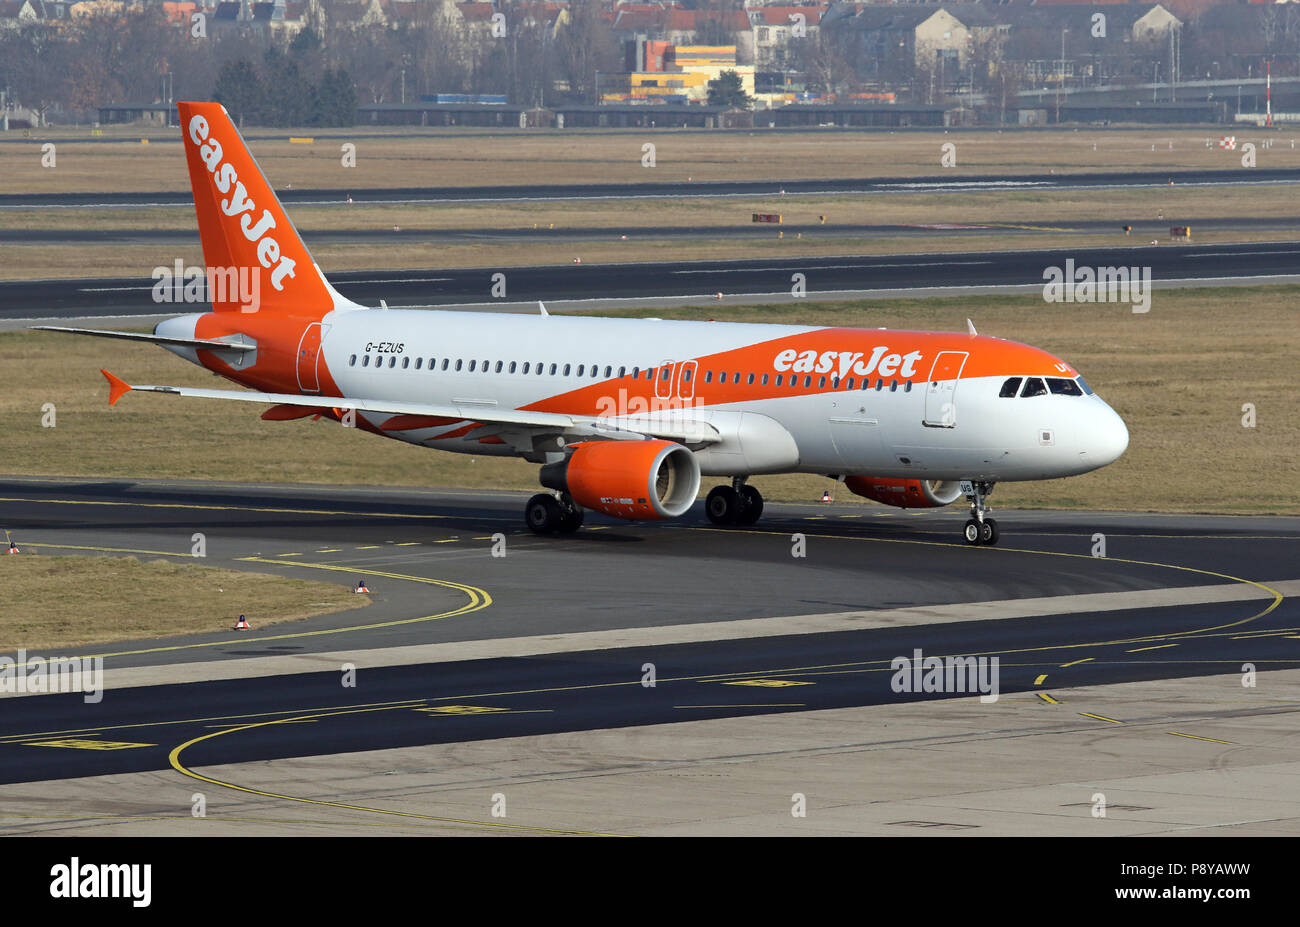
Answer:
(649, 373)
(1034, 386)
(500, 364)
(595, 371)
(365, 360)
(708, 376)
(553, 368)
(821, 384)
(580, 368)
(848, 384)
(636, 372)
(352, 361)
(807, 382)
(750, 381)
(608, 372)
(1010, 388)
(472, 365)
(419, 362)
(893, 386)
(446, 361)
(835, 382)
(622, 372)
(406, 363)
(722, 377)
(667, 372)
(907, 387)
(459, 361)
(686, 375)
(392, 361)
(880, 384)
(780, 379)
(1059, 386)
(512, 366)
(866, 383)
(765, 379)
(567, 368)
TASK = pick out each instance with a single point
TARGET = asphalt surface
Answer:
(613, 575)
(1140, 229)
(79, 298)
(931, 184)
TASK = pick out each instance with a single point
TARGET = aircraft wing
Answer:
(417, 414)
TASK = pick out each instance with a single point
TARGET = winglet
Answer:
(542, 306)
(117, 388)
(970, 327)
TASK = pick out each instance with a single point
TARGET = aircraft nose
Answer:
(1108, 438)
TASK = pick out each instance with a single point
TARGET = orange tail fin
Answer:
(256, 261)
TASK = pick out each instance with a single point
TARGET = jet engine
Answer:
(642, 480)
(906, 494)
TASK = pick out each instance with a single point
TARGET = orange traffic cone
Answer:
(242, 624)
(361, 587)
(13, 548)
(826, 495)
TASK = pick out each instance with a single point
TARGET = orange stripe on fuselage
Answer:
(849, 352)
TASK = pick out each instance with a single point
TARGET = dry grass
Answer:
(1179, 375)
(54, 603)
(429, 158)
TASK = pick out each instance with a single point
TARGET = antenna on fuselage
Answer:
(542, 307)
(970, 327)
(383, 304)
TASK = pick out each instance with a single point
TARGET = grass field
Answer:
(1179, 375)
(428, 158)
(54, 603)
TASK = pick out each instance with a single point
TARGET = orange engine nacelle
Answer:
(644, 480)
(906, 494)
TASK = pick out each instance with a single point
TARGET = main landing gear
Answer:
(547, 514)
(979, 529)
(737, 504)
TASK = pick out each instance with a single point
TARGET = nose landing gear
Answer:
(980, 529)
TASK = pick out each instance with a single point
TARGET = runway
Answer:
(927, 184)
(1259, 262)
(461, 646)
(1140, 230)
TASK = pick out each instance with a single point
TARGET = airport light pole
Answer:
(1060, 87)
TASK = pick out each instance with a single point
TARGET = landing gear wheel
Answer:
(570, 520)
(722, 505)
(973, 532)
(543, 514)
(752, 510)
(989, 532)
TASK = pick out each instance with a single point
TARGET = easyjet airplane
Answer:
(623, 415)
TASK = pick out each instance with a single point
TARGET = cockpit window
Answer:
(1010, 387)
(1063, 387)
(1034, 386)
(1083, 384)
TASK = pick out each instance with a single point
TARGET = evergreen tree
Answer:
(728, 90)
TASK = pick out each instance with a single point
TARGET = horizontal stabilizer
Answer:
(150, 339)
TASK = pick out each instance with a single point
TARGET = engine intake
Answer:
(641, 480)
(905, 494)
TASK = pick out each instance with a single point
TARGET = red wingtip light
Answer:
(117, 387)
